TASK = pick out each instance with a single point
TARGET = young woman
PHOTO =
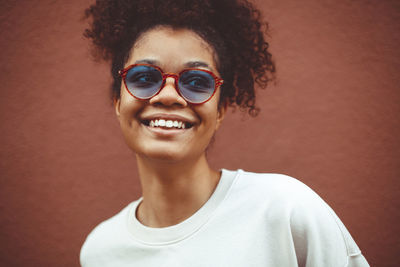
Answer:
(177, 65)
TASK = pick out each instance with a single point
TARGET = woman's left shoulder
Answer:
(286, 192)
(275, 185)
(309, 217)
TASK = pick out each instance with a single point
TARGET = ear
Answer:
(221, 114)
(117, 104)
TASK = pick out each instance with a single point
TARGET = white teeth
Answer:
(167, 124)
(161, 123)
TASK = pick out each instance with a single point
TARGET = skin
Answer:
(175, 176)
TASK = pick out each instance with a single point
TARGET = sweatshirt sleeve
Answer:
(319, 236)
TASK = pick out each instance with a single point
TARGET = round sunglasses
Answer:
(196, 86)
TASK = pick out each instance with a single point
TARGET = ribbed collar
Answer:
(175, 233)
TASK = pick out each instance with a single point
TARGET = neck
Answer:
(172, 192)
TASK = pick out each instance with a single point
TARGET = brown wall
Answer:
(332, 121)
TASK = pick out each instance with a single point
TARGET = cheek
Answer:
(210, 117)
(130, 106)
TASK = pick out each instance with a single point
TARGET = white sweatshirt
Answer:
(268, 220)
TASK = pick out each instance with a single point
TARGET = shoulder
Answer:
(288, 202)
(273, 187)
(106, 235)
(280, 196)
(285, 194)
(108, 225)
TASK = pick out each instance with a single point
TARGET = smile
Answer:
(167, 124)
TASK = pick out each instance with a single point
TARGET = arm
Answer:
(320, 238)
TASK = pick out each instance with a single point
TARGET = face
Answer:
(172, 51)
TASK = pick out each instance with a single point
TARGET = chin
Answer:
(170, 155)
(164, 155)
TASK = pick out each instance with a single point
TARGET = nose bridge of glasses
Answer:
(166, 93)
(170, 75)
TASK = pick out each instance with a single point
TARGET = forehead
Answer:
(172, 48)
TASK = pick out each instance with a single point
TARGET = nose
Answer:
(168, 95)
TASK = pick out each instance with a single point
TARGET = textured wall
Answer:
(332, 121)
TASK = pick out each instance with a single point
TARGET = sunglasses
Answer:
(196, 86)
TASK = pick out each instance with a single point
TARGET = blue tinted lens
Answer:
(143, 81)
(196, 86)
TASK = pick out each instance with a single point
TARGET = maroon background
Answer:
(332, 121)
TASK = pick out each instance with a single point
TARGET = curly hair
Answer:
(232, 27)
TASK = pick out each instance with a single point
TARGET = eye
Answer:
(143, 76)
(196, 80)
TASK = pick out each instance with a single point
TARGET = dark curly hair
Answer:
(232, 27)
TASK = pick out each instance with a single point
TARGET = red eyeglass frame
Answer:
(165, 75)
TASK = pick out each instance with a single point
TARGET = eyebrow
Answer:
(147, 61)
(190, 64)
(196, 64)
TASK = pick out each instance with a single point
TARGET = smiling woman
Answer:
(177, 66)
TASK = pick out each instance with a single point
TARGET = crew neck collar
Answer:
(184, 229)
